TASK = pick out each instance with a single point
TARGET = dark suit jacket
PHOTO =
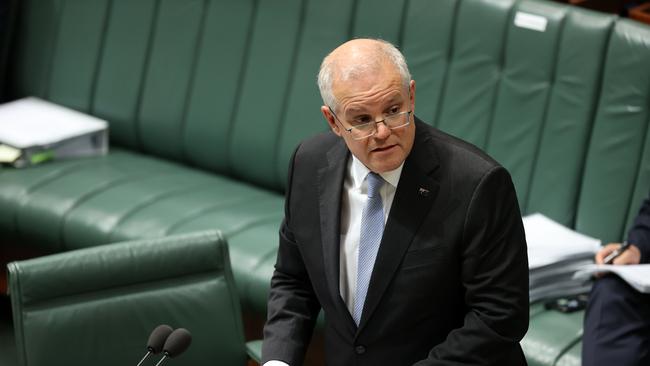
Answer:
(639, 234)
(450, 283)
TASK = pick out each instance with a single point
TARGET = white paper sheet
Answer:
(637, 275)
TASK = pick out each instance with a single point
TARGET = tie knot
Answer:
(375, 181)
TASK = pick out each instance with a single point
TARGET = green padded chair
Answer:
(97, 306)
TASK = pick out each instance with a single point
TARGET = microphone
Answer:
(176, 343)
(156, 341)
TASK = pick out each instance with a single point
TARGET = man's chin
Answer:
(385, 165)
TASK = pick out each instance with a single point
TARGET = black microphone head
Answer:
(177, 342)
(158, 337)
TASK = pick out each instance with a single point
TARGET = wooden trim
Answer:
(641, 13)
(12, 251)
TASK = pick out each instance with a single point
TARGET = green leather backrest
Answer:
(426, 44)
(527, 96)
(325, 24)
(616, 170)
(557, 169)
(164, 73)
(97, 306)
(229, 86)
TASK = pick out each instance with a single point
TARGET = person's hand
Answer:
(631, 256)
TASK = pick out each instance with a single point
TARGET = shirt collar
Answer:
(360, 171)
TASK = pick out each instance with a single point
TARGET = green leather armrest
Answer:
(98, 305)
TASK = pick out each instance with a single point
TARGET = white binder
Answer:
(33, 130)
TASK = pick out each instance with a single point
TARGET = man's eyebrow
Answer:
(355, 111)
(394, 99)
(394, 96)
(387, 102)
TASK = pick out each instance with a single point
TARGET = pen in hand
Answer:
(613, 255)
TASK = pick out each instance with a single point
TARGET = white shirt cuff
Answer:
(275, 363)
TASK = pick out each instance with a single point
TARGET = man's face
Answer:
(372, 97)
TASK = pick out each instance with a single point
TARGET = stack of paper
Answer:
(555, 253)
(33, 130)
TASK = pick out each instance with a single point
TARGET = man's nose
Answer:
(382, 130)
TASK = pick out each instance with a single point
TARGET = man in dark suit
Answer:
(617, 321)
(408, 239)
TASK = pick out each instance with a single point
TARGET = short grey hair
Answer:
(386, 51)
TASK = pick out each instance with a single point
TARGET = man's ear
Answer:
(329, 117)
(412, 93)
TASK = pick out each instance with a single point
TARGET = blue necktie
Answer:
(372, 229)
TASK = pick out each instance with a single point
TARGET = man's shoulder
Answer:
(455, 152)
(317, 148)
(319, 143)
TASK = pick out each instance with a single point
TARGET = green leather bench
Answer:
(207, 99)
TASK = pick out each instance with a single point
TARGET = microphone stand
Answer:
(164, 357)
(144, 358)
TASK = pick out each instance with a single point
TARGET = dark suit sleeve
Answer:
(292, 306)
(639, 234)
(494, 272)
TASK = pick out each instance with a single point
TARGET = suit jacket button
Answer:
(360, 350)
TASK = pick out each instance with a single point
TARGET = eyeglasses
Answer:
(361, 129)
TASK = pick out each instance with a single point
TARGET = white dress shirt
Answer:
(355, 195)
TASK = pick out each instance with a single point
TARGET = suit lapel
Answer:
(330, 187)
(414, 197)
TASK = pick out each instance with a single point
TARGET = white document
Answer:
(550, 242)
(637, 275)
(32, 122)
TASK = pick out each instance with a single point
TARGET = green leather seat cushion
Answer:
(553, 336)
(81, 203)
